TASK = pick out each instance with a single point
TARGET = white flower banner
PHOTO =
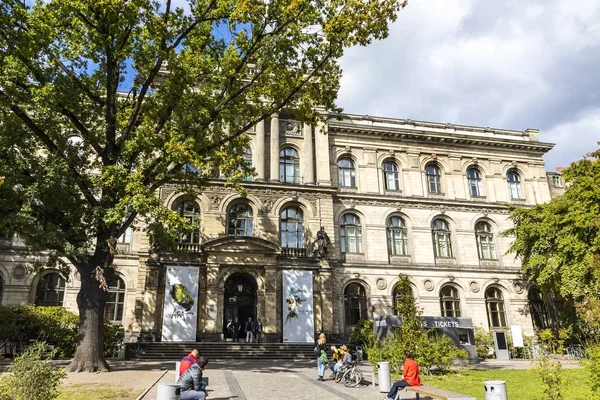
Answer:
(180, 312)
(298, 314)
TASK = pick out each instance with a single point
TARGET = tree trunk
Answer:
(91, 299)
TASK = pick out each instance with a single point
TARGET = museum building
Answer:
(346, 205)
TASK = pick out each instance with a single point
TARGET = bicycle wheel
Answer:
(338, 375)
(353, 377)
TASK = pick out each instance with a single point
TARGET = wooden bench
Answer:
(436, 393)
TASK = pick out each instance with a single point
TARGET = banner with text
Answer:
(181, 305)
(298, 314)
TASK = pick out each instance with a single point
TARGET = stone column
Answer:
(269, 315)
(322, 149)
(326, 301)
(214, 320)
(274, 176)
(309, 155)
(259, 151)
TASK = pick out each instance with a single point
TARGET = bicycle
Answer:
(575, 352)
(353, 376)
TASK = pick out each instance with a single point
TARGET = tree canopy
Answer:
(559, 242)
(102, 102)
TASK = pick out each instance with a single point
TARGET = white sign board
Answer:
(517, 335)
(298, 313)
(180, 312)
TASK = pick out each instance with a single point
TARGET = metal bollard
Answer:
(495, 390)
(383, 375)
(168, 391)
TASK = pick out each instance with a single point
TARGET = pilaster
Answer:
(274, 164)
(259, 151)
(322, 154)
(309, 156)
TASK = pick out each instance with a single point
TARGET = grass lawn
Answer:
(520, 384)
(94, 391)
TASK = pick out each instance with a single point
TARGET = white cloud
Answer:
(512, 64)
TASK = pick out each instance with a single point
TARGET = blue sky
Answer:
(506, 64)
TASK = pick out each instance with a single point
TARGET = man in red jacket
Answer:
(410, 376)
(187, 361)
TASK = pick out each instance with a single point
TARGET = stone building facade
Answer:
(394, 197)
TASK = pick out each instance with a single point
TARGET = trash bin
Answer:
(495, 390)
(383, 376)
(168, 391)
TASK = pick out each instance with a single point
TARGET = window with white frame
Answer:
(391, 175)
(240, 220)
(346, 172)
(247, 158)
(474, 178)
(450, 301)
(289, 166)
(126, 237)
(50, 290)
(350, 234)
(496, 311)
(434, 178)
(115, 303)
(442, 238)
(485, 241)
(292, 228)
(190, 211)
(397, 236)
(514, 184)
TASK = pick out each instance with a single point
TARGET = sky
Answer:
(511, 64)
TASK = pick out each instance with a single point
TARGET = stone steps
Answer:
(220, 350)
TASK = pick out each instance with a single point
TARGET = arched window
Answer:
(514, 184)
(485, 241)
(355, 303)
(442, 238)
(538, 308)
(50, 290)
(115, 304)
(474, 177)
(292, 228)
(390, 174)
(397, 236)
(434, 178)
(450, 301)
(240, 220)
(289, 166)
(495, 308)
(191, 212)
(350, 234)
(347, 173)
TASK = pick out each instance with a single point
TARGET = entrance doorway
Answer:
(239, 301)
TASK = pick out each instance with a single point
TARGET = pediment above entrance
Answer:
(245, 244)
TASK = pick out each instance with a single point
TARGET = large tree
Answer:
(559, 242)
(104, 101)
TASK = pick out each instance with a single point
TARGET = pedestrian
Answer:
(192, 385)
(249, 330)
(236, 326)
(188, 361)
(258, 331)
(321, 353)
(410, 376)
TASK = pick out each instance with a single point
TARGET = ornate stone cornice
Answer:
(423, 203)
(441, 138)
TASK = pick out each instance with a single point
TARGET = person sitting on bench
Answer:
(410, 376)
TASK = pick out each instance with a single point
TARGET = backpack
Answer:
(317, 350)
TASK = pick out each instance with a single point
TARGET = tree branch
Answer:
(82, 183)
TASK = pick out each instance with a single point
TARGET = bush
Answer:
(484, 343)
(362, 334)
(54, 325)
(592, 366)
(439, 351)
(552, 343)
(32, 376)
(553, 380)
